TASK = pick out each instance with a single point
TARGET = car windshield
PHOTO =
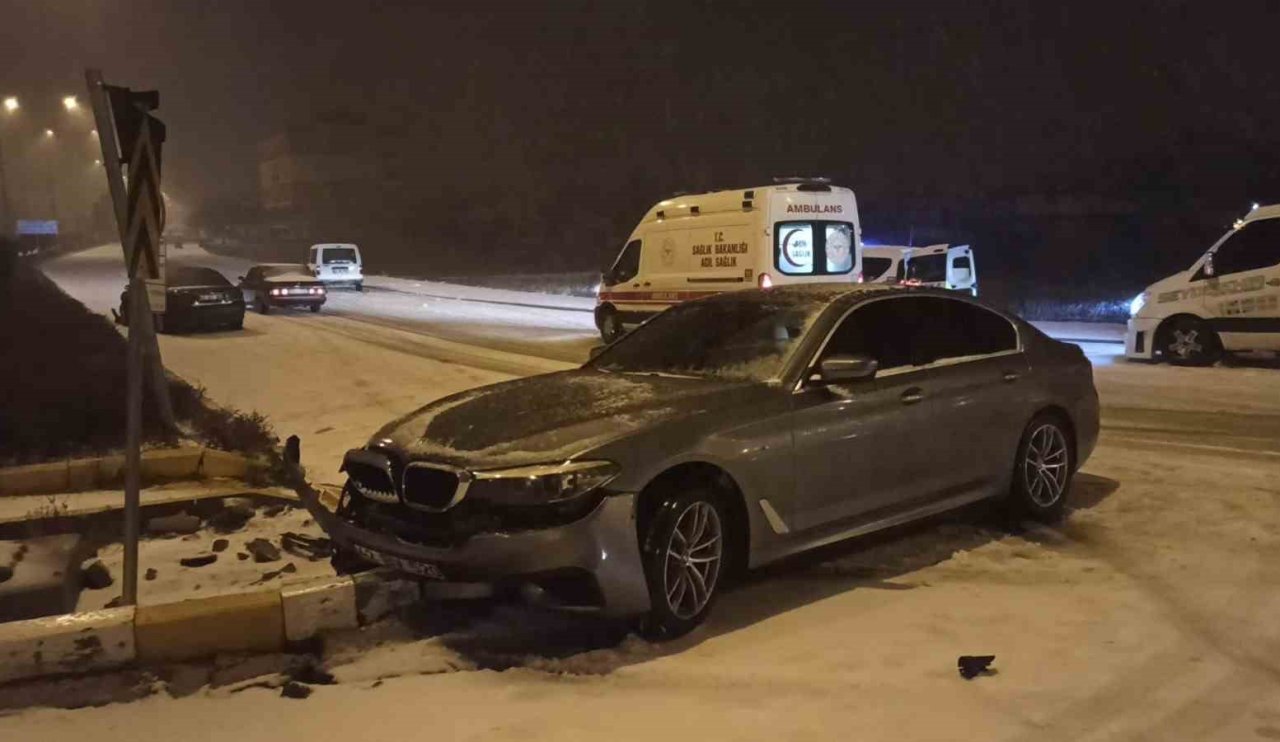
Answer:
(747, 340)
(339, 255)
(181, 275)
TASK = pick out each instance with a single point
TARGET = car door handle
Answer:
(912, 395)
(1011, 376)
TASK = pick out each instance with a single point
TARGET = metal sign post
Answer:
(139, 220)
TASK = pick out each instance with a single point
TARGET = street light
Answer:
(11, 104)
(70, 103)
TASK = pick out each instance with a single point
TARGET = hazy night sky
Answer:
(942, 97)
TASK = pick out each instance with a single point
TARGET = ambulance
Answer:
(938, 266)
(690, 246)
(1227, 301)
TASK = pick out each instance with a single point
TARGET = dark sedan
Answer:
(275, 285)
(723, 434)
(195, 298)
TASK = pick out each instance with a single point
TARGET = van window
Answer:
(626, 266)
(813, 248)
(874, 268)
(339, 255)
(1253, 246)
(314, 250)
(927, 268)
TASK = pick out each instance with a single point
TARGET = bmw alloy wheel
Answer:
(1044, 468)
(693, 560)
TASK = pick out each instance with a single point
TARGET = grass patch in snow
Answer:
(63, 370)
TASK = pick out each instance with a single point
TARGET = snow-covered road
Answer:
(1150, 614)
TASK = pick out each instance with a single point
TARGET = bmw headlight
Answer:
(1137, 304)
(543, 483)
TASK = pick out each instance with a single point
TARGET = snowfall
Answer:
(1150, 613)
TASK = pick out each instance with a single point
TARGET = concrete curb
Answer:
(259, 621)
(159, 465)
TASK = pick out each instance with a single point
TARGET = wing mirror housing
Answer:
(841, 369)
(595, 351)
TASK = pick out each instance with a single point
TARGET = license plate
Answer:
(340, 269)
(418, 569)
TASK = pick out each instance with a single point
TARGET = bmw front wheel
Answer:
(684, 551)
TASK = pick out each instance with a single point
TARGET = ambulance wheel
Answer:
(610, 326)
(1189, 341)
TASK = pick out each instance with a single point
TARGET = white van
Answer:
(337, 264)
(938, 266)
(801, 231)
(1227, 301)
(882, 263)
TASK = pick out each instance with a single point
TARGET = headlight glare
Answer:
(1137, 304)
(544, 483)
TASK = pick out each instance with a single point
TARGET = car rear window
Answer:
(338, 255)
(280, 270)
(181, 275)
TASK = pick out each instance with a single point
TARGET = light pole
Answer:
(6, 216)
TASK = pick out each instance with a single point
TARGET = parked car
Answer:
(195, 298)
(723, 434)
(281, 285)
(337, 264)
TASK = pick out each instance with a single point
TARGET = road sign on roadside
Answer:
(155, 286)
(38, 226)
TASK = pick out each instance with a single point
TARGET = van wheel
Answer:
(1189, 341)
(684, 551)
(610, 326)
(315, 308)
(360, 286)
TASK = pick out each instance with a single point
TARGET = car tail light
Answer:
(766, 281)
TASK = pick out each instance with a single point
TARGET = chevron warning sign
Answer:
(145, 208)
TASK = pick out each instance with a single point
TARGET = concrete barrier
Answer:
(259, 621)
(311, 608)
(71, 643)
(160, 465)
(246, 622)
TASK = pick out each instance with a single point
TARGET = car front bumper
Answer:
(1139, 337)
(601, 546)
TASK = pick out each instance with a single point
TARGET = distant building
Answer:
(337, 168)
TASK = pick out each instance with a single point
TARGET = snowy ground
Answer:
(1150, 614)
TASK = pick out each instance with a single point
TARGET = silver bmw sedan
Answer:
(723, 434)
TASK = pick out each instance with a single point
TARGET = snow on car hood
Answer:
(547, 418)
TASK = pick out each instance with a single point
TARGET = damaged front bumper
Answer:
(591, 563)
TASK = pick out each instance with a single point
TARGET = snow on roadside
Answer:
(227, 574)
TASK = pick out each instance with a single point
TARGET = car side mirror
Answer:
(838, 369)
(240, 279)
(595, 351)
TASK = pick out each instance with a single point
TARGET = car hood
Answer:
(552, 417)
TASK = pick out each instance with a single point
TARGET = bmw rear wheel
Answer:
(684, 554)
(1043, 470)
